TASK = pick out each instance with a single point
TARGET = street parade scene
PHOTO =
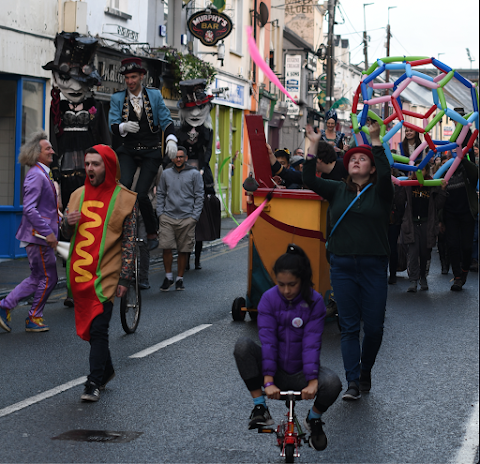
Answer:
(239, 232)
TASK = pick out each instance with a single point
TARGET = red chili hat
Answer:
(131, 65)
(365, 149)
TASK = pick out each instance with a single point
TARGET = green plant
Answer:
(185, 66)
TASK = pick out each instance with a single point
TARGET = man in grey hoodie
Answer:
(179, 205)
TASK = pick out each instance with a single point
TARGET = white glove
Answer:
(171, 149)
(130, 126)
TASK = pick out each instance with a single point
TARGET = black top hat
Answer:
(131, 65)
(193, 93)
(74, 58)
(460, 111)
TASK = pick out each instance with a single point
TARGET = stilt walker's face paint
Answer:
(73, 90)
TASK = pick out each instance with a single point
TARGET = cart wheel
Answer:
(237, 313)
(289, 452)
(130, 306)
(253, 315)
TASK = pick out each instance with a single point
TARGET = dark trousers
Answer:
(129, 161)
(248, 356)
(100, 360)
(418, 253)
(459, 231)
(360, 286)
(393, 233)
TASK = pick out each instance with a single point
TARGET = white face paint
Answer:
(73, 90)
(197, 116)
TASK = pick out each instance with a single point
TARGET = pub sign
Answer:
(209, 27)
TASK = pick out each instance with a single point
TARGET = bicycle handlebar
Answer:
(290, 393)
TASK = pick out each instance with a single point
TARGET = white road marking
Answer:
(42, 396)
(159, 346)
(468, 450)
(74, 383)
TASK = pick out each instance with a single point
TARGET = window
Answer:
(236, 35)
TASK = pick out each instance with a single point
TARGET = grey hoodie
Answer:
(180, 193)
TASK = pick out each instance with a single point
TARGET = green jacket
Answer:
(364, 229)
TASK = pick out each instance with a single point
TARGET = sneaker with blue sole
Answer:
(35, 324)
(5, 319)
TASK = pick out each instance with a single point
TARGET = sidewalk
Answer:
(13, 271)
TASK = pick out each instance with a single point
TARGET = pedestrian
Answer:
(101, 220)
(283, 176)
(458, 216)
(40, 216)
(359, 250)
(394, 226)
(410, 142)
(180, 195)
(291, 318)
(420, 228)
(330, 135)
(139, 116)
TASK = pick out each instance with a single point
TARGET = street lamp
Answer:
(390, 8)
(365, 46)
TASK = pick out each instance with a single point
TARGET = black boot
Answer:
(198, 252)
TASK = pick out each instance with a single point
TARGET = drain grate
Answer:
(98, 436)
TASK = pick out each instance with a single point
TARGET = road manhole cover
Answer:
(98, 436)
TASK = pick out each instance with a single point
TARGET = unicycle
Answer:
(131, 303)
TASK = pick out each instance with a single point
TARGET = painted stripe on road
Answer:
(468, 450)
(42, 396)
(159, 346)
(74, 383)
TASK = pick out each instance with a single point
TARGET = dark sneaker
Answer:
(423, 283)
(352, 393)
(413, 287)
(109, 375)
(318, 439)
(68, 302)
(463, 277)
(457, 285)
(167, 284)
(35, 324)
(152, 243)
(91, 392)
(5, 319)
(365, 383)
(179, 285)
(259, 417)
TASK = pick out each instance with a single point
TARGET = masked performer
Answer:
(196, 135)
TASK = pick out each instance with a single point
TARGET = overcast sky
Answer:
(419, 27)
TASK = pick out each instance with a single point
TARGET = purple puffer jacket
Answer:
(290, 333)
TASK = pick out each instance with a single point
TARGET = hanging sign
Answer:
(209, 27)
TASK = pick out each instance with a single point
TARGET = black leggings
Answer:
(248, 356)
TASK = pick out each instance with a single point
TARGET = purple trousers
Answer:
(41, 282)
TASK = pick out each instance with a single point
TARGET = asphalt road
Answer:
(185, 402)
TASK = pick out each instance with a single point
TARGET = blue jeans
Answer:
(360, 287)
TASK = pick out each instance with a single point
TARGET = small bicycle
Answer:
(290, 435)
(131, 303)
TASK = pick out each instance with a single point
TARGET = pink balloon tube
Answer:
(425, 83)
(454, 165)
(416, 152)
(439, 77)
(235, 235)
(463, 134)
(260, 62)
(401, 87)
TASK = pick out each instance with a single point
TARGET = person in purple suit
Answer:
(40, 216)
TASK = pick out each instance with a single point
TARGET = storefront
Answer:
(23, 112)
(230, 102)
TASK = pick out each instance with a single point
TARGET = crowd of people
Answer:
(374, 228)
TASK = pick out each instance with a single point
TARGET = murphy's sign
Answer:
(209, 27)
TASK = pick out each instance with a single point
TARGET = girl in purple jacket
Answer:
(291, 317)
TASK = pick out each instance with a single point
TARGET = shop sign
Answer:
(234, 96)
(293, 71)
(311, 62)
(447, 131)
(210, 27)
